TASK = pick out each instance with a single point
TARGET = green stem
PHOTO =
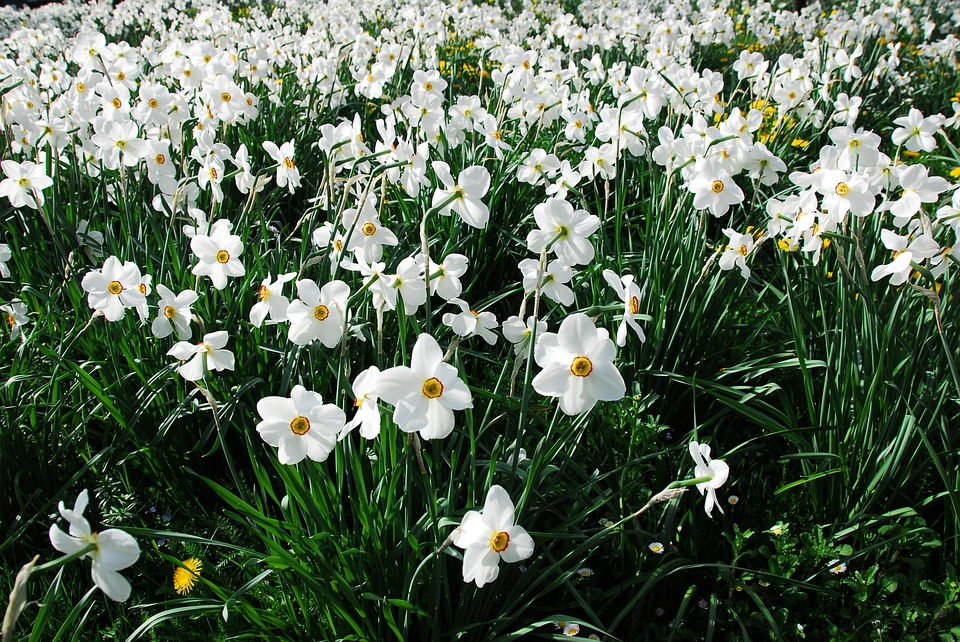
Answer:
(60, 561)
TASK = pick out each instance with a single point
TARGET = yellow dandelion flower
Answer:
(184, 577)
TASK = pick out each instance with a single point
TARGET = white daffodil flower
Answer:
(300, 425)
(706, 467)
(491, 536)
(211, 349)
(426, 393)
(578, 365)
(114, 550)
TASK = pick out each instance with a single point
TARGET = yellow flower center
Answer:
(121, 76)
(428, 86)
(500, 541)
(11, 321)
(159, 159)
(169, 312)
(743, 250)
(300, 425)
(289, 164)
(321, 312)
(213, 173)
(842, 189)
(369, 229)
(223, 256)
(263, 293)
(116, 103)
(432, 388)
(634, 305)
(114, 287)
(153, 102)
(581, 367)
(143, 289)
(716, 186)
(81, 87)
(225, 97)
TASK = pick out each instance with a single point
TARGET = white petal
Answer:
(426, 356)
(472, 531)
(118, 549)
(520, 547)
(439, 420)
(481, 564)
(397, 383)
(498, 511)
(114, 585)
(292, 449)
(553, 380)
(63, 542)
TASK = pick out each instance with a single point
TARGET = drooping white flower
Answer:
(553, 281)
(917, 187)
(735, 254)
(445, 277)
(628, 292)
(366, 393)
(300, 425)
(210, 354)
(464, 195)
(426, 393)
(763, 165)
(408, 282)
(270, 300)
(537, 167)
(470, 322)
(518, 333)
(114, 549)
(5, 255)
(16, 317)
(490, 536)
(905, 253)
(706, 467)
(287, 173)
(578, 365)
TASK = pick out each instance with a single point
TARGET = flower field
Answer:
(480, 320)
